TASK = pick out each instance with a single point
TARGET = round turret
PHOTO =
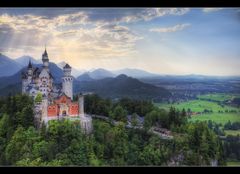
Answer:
(67, 81)
(67, 70)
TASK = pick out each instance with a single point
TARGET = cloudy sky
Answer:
(159, 40)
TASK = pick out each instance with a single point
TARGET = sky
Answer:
(159, 40)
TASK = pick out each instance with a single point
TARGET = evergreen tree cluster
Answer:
(97, 105)
(232, 126)
(62, 143)
(232, 147)
(162, 118)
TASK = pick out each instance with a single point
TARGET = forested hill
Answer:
(121, 86)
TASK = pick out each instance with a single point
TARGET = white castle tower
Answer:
(67, 81)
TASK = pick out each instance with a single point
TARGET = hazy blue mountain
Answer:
(121, 86)
(84, 77)
(75, 72)
(56, 72)
(100, 73)
(11, 89)
(16, 78)
(25, 59)
(193, 78)
(136, 73)
(8, 66)
(10, 80)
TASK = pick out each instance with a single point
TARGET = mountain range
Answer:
(127, 82)
(9, 66)
(112, 87)
(100, 81)
(23, 61)
(16, 78)
(103, 73)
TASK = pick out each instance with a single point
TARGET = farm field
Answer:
(218, 97)
(217, 117)
(233, 163)
(197, 106)
(232, 132)
(218, 114)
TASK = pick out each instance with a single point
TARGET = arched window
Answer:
(64, 113)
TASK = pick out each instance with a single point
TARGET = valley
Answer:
(209, 99)
(221, 114)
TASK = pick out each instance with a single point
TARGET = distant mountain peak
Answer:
(84, 77)
(122, 76)
(8, 66)
(122, 86)
(100, 73)
(23, 60)
(133, 72)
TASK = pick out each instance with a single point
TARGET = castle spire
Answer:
(45, 52)
(29, 64)
(45, 58)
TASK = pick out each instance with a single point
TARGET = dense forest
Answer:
(62, 143)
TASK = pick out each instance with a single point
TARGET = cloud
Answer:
(75, 34)
(151, 13)
(208, 10)
(175, 28)
(102, 15)
(100, 42)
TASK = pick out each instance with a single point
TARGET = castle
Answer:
(55, 102)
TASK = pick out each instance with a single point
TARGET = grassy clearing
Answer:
(232, 132)
(233, 163)
(217, 117)
(218, 97)
(197, 106)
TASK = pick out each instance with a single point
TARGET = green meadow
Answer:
(218, 97)
(218, 115)
(198, 106)
(233, 163)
